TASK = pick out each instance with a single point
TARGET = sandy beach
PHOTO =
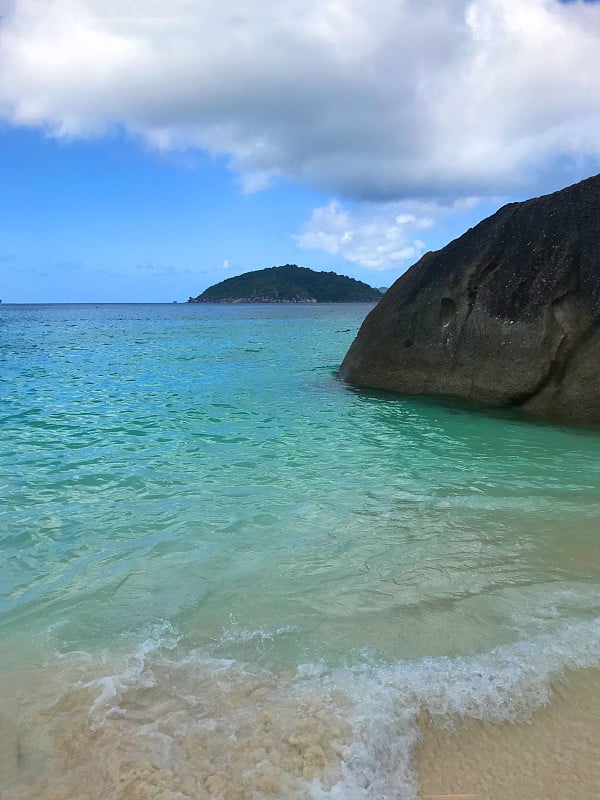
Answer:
(554, 757)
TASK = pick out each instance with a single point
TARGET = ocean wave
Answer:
(235, 634)
(165, 723)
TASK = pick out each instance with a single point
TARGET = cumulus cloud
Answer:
(367, 99)
(378, 236)
(375, 238)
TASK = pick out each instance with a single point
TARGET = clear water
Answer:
(190, 489)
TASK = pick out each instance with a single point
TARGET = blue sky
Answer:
(145, 156)
(110, 220)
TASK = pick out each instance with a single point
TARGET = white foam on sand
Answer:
(167, 725)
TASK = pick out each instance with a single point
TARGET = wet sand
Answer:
(212, 730)
(555, 757)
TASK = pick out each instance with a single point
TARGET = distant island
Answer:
(289, 284)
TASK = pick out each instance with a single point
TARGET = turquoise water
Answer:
(191, 489)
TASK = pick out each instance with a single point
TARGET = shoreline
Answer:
(148, 727)
(552, 757)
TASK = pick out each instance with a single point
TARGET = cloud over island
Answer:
(374, 102)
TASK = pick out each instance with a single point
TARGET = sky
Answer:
(151, 148)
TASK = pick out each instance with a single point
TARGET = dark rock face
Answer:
(508, 314)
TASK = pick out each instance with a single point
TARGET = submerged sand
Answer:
(199, 733)
(200, 728)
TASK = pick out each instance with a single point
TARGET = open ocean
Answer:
(225, 574)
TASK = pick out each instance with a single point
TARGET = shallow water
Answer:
(226, 574)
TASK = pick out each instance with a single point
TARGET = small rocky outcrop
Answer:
(508, 314)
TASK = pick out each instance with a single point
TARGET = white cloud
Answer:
(376, 237)
(368, 99)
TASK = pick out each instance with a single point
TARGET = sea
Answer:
(226, 574)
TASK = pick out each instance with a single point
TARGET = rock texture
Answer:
(508, 314)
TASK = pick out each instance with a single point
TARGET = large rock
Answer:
(508, 314)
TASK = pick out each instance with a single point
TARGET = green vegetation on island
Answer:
(289, 284)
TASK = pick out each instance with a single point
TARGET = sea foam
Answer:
(165, 723)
